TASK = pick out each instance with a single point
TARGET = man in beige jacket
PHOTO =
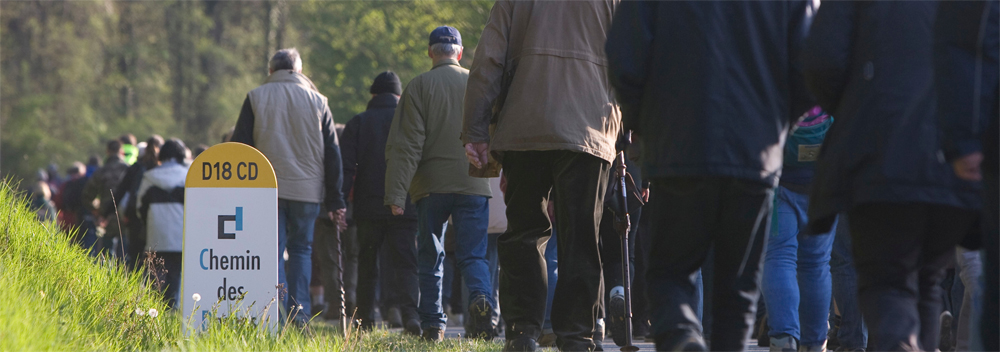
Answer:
(289, 121)
(424, 155)
(541, 67)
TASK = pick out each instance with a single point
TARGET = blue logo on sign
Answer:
(238, 218)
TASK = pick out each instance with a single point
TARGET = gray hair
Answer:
(286, 59)
(445, 49)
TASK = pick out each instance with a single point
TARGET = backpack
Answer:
(804, 143)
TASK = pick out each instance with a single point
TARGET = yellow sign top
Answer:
(231, 165)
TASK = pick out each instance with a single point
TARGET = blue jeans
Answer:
(296, 221)
(470, 216)
(853, 334)
(552, 266)
(796, 282)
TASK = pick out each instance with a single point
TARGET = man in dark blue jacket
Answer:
(967, 80)
(363, 151)
(870, 65)
(712, 89)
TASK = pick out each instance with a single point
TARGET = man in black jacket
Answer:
(967, 72)
(363, 150)
(870, 65)
(712, 89)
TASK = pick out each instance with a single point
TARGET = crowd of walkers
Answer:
(816, 176)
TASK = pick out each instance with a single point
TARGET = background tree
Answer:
(75, 74)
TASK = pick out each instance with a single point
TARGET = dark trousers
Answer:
(990, 323)
(640, 305)
(577, 182)
(690, 216)
(169, 276)
(399, 238)
(900, 251)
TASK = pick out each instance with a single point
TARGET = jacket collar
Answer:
(446, 62)
(384, 100)
(114, 158)
(289, 76)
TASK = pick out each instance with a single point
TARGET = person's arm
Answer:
(349, 151)
(142, 205)
(243, 133)
(963, 94)
(802, 13)
(826, 52)
(124, 188)
(486, 75)
(628, 49)
(331, 163)
(404, 148)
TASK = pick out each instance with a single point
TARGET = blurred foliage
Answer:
(74, 74)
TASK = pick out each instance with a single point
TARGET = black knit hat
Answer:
(387, 82)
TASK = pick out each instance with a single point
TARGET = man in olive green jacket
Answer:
(425, 156)
(541, 67)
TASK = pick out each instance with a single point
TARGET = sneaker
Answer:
(412, 327)
(947, 342)
(433, 335)
(522, 343)
(481, 318)
(616, 315)
(784, 343)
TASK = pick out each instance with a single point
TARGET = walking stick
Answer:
(340, 281)
(622, 226)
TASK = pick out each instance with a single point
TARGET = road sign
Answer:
(230, 237)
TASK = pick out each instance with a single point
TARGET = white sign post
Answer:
(230, 237)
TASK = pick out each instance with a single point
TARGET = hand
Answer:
(645, 195)
(397, 211)
(339, 218)
(478, 154)
(967, 167)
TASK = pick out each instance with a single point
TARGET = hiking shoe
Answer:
(832, 340)
(433, 335)
(547, 340)
(522, 343)
(683, 342)
(616, 315)
(762, 331)
(784, 343)
(947, 342)
(640, 329)
(394, 317)
(412, 327)
(481, 319)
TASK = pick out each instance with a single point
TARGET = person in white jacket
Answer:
(161, 208)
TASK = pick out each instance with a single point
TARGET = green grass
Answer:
(53, 296)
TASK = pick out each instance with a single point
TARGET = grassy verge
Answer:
(53, 296)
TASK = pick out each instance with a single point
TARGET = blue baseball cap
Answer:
(446, 35)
